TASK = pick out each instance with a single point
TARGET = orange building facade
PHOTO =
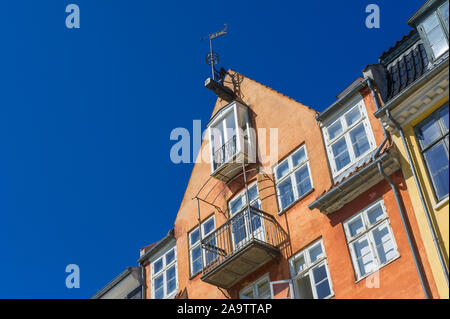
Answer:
(319, 224)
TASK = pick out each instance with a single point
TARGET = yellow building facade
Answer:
(438, 208)
(414, 90)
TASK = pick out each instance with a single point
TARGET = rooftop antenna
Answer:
(212, 58)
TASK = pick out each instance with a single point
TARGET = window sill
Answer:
(378, 269)
(284, 210)
(441, 203)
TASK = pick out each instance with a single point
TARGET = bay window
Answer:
(348, 138)
(232, 140)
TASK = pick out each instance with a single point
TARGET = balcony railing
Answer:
(245, 242)
(225, 152)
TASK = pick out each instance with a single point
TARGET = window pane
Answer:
(159, 281)
(304, 288)
(208, 226)
(319, 273)
(384, 243)
(211, 254)
(248, 294)
(444, 117)
(282, 170)
(171, 280)
(239, 228)
(435, 35)
(299, 157)
(323, 289)
(359, 140)
(217, 136)
(263, 289)
(428, 132)
(230, 127)
(353, 116)
(196, 252)
(236, 205)
(321, 282)
(334, 130)
(158, 286)
(375, 214)
(256, 223)
(340, 153)
(299, 264)
(195, 236)
(170, 256)
(315, 253)
(440, 46)
(430, 23)
(286, 193)
(171, 286)
(157, 266)
(171, 272)
(437, 160)
(196, 259)
(303, 180)
(356, 226)
(253, 193)
(444, 12)
(364, 256)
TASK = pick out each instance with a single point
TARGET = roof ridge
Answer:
(274, 90)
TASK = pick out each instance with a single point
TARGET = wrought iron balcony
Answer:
(225, 154)
(244, 243)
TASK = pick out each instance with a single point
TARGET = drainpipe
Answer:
(397, 197)
(143, 281)
(421, 195)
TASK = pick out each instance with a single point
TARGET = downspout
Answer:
(421, 195)
(143, 281)
(397, 197)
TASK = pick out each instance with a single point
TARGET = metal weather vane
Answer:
(212, 58)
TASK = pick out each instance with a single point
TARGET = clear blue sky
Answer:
(86, 114)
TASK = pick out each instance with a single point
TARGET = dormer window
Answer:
(435, 29)
(348, 138)
(231, 140)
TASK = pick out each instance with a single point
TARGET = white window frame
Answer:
(254, 288)
(198, 243)
(288, 281)
(162, 272)
(221, 121)
(444, 28)
(309, 267)
(368, 234)
(291, 174)
(242, 195)
(364, 119)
